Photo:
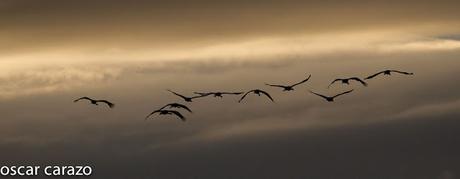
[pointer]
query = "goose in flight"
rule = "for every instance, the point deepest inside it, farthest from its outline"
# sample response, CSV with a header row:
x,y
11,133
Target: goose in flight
x,y
347,81
167,112
290,87
176,105
388,72
331,98
95,102
219,94
187,99
257,92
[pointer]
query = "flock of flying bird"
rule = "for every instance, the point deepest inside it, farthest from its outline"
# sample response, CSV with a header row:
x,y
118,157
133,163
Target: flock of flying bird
x,y
166,110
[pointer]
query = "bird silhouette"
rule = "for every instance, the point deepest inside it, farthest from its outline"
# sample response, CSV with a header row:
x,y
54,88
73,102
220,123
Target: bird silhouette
x,y
347,81
95,102
167,112
219,94
290,87
257,92
176,105
331,98
388,72
187,99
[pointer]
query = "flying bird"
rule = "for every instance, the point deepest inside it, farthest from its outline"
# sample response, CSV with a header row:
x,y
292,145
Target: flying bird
x,y
167,112
95,102
347,81
187,99
388,72
331,98
290,87
257,92
176,105
219,94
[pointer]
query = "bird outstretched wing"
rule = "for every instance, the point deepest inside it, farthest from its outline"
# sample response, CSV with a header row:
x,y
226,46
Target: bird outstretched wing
x,y
280,86
166,106
374,75
177,94
333,82
303,81
152,113
177,105
402,72
111,105
266,94
203,94
178,114
87,98
245,94
359,80
342,93
320,95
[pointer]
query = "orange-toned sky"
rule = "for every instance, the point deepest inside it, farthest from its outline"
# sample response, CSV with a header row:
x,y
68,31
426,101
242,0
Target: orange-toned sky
x,y
53,51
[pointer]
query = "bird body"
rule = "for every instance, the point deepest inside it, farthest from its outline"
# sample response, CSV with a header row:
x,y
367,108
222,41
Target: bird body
x,y
289,87
347,81
257,92
176,105
331,98
388,72
219,94
167,112
187,99
95,102
285,88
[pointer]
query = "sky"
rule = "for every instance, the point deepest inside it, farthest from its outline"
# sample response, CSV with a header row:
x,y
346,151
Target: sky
x,y
399,127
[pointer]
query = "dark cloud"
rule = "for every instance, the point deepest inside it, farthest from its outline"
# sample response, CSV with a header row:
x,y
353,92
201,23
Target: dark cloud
x,y
450,37
31,25
410,148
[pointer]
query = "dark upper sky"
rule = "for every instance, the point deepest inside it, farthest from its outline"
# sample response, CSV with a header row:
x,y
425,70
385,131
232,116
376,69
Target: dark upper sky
x,y
115,23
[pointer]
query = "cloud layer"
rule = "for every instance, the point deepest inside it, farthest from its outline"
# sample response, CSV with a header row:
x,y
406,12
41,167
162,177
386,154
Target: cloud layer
x,y
131,52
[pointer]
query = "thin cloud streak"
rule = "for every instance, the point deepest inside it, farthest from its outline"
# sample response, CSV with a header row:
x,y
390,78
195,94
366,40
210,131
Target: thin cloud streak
x,y
34,74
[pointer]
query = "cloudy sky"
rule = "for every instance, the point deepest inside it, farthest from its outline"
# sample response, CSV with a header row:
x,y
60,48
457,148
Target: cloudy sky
x,y
399,127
